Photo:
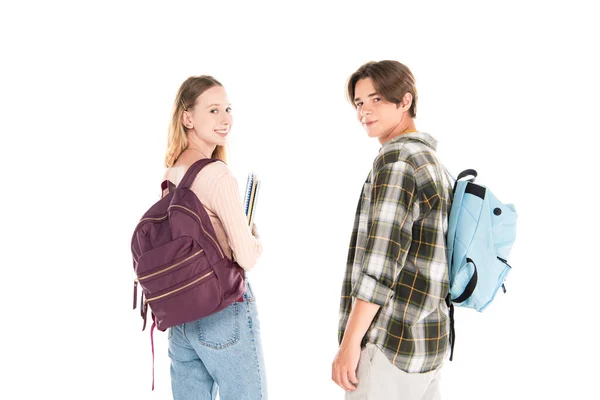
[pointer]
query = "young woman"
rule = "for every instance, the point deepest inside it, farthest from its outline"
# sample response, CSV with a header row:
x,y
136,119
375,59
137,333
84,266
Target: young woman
x,y
221,352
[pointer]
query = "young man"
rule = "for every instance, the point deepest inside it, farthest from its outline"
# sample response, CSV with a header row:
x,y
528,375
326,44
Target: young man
x,y
394,322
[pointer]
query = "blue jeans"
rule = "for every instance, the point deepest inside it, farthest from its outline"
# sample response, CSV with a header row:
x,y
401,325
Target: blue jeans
x,y
221,352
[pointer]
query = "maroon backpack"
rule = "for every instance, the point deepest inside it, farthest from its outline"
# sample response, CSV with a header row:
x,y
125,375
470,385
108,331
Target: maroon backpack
x,y
178,262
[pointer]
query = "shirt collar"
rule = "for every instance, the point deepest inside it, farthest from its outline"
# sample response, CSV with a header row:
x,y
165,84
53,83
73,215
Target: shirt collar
x,y
420,136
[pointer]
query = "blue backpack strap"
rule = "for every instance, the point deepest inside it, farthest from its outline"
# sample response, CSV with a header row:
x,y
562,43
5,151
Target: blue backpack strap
x,y
450,243
470,288
452,333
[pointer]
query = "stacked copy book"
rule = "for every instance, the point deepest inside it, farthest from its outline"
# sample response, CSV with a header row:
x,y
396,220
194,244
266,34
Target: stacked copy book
x,y
250,197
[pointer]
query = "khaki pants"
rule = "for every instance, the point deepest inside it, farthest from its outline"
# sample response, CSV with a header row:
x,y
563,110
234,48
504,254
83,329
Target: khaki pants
x,y
379,379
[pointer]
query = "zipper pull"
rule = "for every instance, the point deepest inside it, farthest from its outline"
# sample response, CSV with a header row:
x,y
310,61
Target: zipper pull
x,y
134,294
503,288
144,313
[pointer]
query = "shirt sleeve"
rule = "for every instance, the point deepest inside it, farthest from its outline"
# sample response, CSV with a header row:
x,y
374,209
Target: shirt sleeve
x,y
229,209
389,227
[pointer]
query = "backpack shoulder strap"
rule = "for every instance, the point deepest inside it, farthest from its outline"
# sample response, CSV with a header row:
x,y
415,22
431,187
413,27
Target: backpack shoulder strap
x,y
193,170
167,187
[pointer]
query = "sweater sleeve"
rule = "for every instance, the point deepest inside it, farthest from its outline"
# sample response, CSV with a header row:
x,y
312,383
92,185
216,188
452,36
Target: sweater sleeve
x,y
229,209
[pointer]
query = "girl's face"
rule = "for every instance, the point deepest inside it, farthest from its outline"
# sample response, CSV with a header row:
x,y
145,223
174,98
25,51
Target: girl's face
x,y
210,118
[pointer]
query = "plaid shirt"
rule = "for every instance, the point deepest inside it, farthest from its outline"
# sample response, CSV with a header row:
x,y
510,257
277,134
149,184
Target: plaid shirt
x,y
397,256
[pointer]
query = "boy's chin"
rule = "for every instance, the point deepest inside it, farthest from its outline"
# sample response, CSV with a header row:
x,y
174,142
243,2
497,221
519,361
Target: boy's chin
x,y
373,134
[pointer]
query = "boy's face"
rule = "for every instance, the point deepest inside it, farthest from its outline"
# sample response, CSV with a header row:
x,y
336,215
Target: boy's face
x,y
378,116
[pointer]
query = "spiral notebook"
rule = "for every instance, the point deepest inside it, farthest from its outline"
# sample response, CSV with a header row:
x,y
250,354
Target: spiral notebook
x,y
251,196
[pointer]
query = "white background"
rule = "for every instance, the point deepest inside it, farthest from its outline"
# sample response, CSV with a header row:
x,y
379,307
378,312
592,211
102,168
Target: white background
x,y
86,93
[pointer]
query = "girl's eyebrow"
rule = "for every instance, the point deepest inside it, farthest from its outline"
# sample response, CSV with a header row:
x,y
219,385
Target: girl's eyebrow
x,y
217,104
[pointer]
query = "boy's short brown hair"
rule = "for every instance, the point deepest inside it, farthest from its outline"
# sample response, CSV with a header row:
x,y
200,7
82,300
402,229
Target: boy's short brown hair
x,y
391,79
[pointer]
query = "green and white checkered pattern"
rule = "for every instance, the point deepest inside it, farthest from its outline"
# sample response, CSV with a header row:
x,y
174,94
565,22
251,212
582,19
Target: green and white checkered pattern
x,y
397,256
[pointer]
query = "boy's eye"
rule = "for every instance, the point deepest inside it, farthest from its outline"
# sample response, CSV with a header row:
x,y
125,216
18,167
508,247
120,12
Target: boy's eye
x,y
228,109
376,99
359,104
214,111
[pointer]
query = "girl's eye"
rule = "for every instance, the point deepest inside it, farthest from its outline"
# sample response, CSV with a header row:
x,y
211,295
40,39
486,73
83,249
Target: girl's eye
x,y
359,104
214,111
376,99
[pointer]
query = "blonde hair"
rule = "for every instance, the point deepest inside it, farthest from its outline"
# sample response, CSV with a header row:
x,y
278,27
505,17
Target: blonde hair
x,y
186,97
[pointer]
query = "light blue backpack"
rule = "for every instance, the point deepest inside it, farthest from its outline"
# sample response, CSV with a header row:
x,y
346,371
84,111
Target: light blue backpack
x,y
481,232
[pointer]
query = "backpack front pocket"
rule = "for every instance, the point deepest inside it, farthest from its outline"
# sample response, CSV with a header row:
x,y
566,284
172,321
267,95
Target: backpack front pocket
x,y
188,261
200,294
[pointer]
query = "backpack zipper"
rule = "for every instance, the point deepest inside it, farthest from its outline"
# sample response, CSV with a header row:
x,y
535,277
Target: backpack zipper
x,y
136,280
141,278
202,226
179,289
152,218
